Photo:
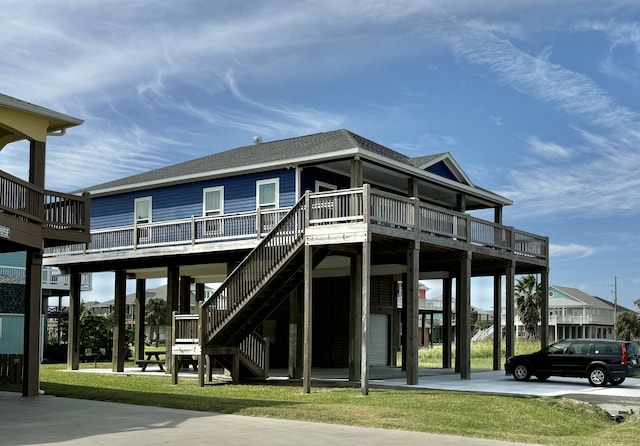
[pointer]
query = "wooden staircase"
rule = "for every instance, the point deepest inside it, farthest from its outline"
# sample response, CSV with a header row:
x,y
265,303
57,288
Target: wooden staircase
x,y
262,281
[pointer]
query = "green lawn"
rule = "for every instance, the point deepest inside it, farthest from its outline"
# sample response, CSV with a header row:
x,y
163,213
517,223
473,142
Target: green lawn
x,y
528,420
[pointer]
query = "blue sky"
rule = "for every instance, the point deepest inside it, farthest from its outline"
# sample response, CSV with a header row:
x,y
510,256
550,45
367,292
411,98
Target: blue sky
x,y
536,100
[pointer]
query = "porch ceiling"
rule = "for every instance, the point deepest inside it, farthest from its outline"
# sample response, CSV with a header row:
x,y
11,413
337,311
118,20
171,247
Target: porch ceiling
x,y
22,120
396,181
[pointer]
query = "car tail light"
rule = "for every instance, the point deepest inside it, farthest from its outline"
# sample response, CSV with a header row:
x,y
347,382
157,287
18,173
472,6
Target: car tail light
x,y
624,353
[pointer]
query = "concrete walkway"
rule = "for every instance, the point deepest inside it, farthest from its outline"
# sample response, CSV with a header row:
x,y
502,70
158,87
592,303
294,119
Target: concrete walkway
x,y
48,420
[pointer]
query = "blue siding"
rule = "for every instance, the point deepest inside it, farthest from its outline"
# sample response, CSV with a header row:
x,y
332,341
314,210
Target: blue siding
x,y
185,200
440,168
312,174
17,259
12,334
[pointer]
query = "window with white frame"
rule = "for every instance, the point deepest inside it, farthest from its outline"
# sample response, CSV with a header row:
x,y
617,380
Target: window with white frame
x,y
321,186
213,206
213,201
323,208
267,194
142,210
267,197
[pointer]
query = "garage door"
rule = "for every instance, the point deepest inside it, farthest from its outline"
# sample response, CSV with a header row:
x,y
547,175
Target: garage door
x,y
378,339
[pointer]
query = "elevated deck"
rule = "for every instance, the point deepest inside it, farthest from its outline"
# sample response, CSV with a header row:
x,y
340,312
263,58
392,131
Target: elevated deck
x,y
335,217
30,215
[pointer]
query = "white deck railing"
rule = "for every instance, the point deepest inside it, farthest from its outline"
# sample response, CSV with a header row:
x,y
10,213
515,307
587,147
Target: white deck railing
x,y
358,205
51,278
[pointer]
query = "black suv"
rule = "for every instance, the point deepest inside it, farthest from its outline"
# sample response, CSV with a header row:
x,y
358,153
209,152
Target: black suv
x,y
601,361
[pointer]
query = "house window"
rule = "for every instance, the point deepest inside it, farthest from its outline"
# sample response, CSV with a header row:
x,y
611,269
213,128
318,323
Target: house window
x,y
213,206
141,217
323,187
267,197
143,210
213,201
267,194
323,208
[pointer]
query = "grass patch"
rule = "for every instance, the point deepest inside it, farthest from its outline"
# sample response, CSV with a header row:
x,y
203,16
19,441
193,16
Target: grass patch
x,y
526,420
547,421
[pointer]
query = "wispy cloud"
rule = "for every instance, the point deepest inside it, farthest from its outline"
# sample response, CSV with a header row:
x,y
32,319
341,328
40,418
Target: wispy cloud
x,y
570,250
601,182
547,150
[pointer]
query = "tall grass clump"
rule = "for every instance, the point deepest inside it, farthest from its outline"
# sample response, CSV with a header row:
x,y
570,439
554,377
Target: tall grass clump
x,y
481,353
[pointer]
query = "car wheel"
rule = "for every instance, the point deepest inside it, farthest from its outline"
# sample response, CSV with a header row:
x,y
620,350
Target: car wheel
x,y
617,381
521,372
542,377
598,377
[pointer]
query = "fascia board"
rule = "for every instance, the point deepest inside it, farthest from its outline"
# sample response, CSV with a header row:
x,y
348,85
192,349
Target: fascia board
x,y
224,172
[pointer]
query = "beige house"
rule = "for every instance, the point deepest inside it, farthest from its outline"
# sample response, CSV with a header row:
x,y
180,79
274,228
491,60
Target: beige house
x,y
575,314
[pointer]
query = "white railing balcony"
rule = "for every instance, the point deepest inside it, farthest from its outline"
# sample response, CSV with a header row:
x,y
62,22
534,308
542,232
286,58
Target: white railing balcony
x,y
585,319
51,277
348,206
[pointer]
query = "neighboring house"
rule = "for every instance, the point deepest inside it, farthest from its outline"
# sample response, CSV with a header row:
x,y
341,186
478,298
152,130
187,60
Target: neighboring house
x,y
33,218
309,238
54,287
107,308
575,314
431,319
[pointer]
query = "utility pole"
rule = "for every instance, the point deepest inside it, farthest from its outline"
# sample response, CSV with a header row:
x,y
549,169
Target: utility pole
x,y
615,302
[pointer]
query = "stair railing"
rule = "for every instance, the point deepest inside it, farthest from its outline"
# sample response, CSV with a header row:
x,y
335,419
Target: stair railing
x,y
240,286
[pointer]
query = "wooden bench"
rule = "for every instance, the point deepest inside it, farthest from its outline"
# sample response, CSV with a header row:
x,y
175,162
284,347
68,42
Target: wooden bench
x,y
145,362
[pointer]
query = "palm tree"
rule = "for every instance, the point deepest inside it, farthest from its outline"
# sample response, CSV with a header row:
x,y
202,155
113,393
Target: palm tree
x,y
627,326
528,302
155,316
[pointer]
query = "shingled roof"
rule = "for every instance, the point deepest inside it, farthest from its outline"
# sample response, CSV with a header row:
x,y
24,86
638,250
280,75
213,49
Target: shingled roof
x,y
267,153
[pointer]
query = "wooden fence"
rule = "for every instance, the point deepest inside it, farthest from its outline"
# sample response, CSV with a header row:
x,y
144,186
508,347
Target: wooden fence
x,y
10,369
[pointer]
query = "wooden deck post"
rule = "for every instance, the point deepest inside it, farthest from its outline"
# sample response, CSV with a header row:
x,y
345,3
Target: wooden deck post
x,y
447,286
463,318
204,360
141,301
308,303
173,292
296,350
403,321
73,333
544,307
355,317
119,338
175,366
413,273
308,306
510,308
32,312
497,322
184,304
366,310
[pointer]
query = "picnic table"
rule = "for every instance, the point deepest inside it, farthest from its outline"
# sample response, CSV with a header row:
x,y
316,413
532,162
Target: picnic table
x,y
152,358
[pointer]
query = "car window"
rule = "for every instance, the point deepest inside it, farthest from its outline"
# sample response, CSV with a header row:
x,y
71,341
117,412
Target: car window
x,y
632,348
559,348
607,348
579,347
